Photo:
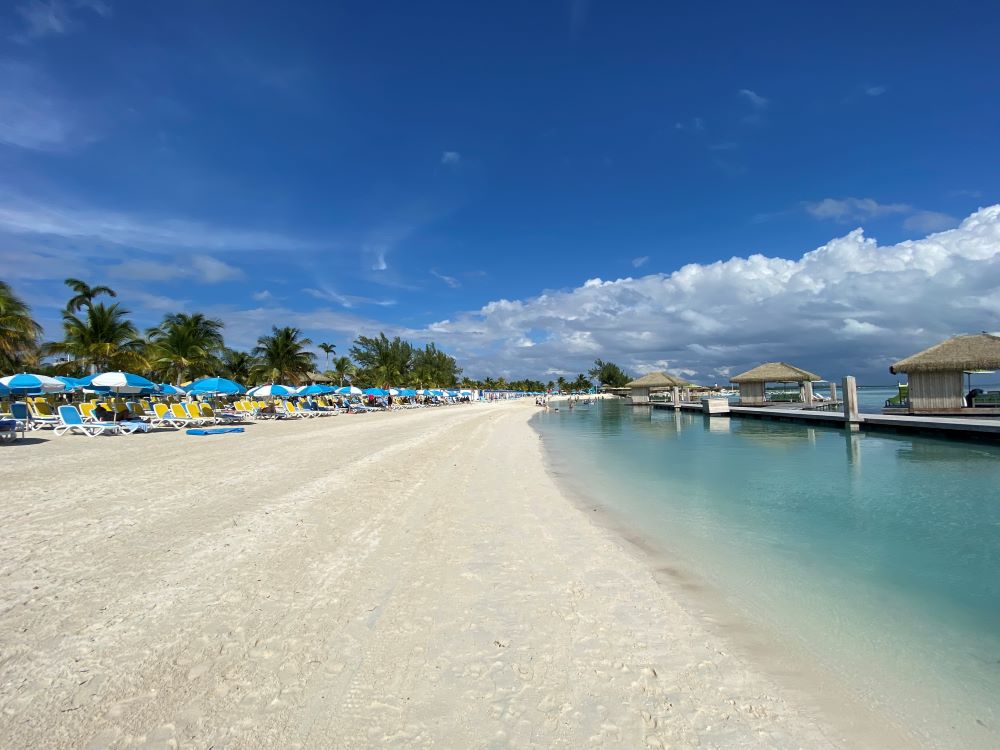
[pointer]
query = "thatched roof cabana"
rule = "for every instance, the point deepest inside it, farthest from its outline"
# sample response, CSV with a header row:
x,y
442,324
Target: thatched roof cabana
x,y
318,377
775,372
980,351
934,376
657,380
752,382
639,388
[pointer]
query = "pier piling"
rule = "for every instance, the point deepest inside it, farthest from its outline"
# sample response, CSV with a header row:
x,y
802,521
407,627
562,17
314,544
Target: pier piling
x,y
850,388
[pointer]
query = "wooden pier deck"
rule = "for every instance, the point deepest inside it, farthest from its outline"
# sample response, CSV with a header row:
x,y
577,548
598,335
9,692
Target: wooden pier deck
x,y
959,428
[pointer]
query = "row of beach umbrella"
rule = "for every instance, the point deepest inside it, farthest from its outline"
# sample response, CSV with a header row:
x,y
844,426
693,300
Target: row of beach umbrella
x,y
126,382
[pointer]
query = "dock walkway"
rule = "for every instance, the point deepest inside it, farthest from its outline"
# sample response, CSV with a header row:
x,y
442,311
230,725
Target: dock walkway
x,y
944,427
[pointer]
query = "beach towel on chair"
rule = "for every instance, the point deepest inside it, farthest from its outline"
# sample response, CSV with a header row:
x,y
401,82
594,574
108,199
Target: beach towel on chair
x,y
214,430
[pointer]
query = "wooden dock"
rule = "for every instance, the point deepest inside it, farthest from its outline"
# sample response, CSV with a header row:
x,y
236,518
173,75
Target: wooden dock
x,y
957,428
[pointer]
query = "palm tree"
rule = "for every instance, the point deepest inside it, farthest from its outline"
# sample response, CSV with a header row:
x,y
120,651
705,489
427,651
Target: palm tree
x,y
19,332
102,340
83,294
185,346
561,382
327,349
432,367
385,361
283,355
237,365
343,368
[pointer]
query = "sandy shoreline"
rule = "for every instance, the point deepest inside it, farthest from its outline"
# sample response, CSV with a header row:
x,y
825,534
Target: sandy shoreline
x,y
415,579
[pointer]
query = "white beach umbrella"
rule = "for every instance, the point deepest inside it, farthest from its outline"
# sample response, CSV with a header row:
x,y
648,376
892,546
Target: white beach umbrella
x,y
271,389
123,382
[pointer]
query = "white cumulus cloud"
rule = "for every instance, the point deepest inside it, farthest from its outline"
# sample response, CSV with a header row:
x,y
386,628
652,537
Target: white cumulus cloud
x,y
851,306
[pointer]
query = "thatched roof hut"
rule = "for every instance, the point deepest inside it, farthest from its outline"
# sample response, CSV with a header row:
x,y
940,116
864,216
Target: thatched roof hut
x,y
935,375
752,382
318,377
640,387
980,351
775,372
656,380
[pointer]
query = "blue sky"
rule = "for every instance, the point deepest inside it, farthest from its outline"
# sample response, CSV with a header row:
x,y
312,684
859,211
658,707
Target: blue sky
x,y
520,182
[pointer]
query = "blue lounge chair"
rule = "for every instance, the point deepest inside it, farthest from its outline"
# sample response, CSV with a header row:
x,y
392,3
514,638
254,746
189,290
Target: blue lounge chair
x,y
8,429
19,411
71,421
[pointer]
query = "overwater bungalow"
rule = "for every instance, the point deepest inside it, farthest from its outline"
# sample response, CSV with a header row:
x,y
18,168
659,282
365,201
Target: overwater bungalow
x,y
936,377
640,389
753,384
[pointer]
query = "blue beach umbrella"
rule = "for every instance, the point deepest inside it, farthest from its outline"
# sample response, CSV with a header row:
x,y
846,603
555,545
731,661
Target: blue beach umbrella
x,y
4,390
375,392
215,386
270,389
407,392
27,384
349,390
72,384
167,389
314,390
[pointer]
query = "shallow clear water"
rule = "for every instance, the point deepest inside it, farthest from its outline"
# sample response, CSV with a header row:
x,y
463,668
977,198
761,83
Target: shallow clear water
x,y
876,556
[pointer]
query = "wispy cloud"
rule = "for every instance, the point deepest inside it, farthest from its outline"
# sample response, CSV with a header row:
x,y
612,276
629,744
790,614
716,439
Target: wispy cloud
x,y
377,254
929,221
449,280
56,17
758,105
756,100
212,270
451,158
43,18
34,114
853,209
696,124
965,193
640,261
262,296
346,300
875,90
199,268
33,218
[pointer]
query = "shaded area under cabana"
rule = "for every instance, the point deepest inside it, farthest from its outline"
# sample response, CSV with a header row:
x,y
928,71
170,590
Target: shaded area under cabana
x,y
937,377
753,384
640,389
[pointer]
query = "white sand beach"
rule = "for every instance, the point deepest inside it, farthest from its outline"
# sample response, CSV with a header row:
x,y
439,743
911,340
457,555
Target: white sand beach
x,y
411,579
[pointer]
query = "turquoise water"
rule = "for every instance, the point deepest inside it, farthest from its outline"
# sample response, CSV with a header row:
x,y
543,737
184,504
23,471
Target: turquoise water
x,y
876,557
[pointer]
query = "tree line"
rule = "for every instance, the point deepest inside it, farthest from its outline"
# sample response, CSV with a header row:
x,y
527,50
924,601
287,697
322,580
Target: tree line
x,y
97,335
